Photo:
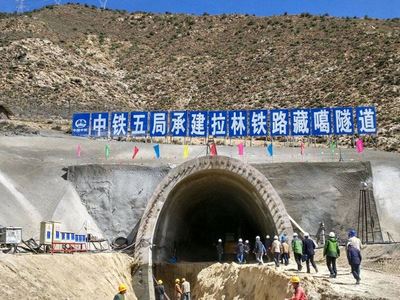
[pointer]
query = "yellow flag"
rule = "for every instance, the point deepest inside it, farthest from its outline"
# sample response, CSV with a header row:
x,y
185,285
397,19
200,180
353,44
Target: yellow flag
x,y
186,151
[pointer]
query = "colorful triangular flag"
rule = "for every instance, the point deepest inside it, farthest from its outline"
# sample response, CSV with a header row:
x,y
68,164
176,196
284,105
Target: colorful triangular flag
x,y
213,149
333,147
186,151
359,145
107,151
78,150
135,152
157,150
302,146
240,149
270,150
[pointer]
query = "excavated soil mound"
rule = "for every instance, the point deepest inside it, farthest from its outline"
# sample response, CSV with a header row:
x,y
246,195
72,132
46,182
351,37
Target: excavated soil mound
x,y
252,282
232,281
77,276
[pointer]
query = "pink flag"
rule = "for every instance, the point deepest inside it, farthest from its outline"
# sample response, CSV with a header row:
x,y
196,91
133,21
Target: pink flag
x,y
359,145
78,150
240,149
302,146
135,151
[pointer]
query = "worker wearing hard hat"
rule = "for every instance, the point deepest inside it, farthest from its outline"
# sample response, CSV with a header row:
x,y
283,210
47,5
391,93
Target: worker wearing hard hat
x,y
159,290
121,292
178,290
276,250
332,252
298,293
240,251
185,289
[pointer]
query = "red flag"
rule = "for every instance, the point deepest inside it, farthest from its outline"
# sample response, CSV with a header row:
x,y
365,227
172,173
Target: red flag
x,y
213,149
302,148
135,151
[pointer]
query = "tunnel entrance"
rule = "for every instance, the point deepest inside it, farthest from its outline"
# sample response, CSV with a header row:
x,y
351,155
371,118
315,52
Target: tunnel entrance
x,y
195,204
204,207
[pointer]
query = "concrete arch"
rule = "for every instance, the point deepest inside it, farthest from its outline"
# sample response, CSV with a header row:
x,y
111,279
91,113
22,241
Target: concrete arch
x,y
259,192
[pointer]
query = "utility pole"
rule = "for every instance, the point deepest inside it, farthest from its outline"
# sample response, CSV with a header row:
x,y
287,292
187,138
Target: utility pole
x,y
20,6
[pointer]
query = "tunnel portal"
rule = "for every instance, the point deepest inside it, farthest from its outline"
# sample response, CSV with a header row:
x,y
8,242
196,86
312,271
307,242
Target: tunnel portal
x,y
198,202
204,207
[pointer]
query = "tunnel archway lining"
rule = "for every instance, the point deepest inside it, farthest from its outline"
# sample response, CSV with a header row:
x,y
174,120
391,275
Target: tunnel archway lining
x,y
263,188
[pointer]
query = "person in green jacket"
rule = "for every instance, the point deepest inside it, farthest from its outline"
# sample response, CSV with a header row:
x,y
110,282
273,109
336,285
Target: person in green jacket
x,y
122,290
332,252
297,247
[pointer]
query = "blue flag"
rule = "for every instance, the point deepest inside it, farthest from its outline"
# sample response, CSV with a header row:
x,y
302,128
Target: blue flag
x,y
157,150
270,150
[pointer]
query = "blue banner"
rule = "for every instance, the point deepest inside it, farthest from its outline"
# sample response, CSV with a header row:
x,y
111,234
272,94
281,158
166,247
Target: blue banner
x,y
343,120
99,124
139,123
178,123
81,124
197,123
279,122
258,120
218,123
366,120
300,124
119,123
321,121
237,123
158,123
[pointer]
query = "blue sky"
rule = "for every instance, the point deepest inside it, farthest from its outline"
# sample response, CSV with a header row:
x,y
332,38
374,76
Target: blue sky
x,y
340,8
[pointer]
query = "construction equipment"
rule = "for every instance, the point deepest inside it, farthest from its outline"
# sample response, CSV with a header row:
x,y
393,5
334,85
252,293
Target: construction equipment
x,y
10,237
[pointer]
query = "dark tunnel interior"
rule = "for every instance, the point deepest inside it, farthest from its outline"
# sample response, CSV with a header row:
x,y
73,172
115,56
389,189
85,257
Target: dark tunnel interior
x,y
207,206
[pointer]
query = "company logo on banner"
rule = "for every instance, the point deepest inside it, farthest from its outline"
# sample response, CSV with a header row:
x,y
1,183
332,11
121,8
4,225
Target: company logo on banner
x,y
236,123
81,124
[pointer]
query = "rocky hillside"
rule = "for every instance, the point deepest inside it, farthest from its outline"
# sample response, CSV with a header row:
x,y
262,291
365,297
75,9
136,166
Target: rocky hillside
x,y
72,58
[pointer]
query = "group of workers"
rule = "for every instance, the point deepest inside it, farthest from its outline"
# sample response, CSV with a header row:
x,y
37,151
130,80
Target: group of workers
x,y
278,250
181,290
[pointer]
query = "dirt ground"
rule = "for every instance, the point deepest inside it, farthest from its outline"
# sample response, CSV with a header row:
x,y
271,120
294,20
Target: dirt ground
x,y
64,276
380,275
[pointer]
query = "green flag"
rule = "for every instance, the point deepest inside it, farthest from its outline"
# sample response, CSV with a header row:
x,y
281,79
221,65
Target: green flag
x,y
333,146
107,151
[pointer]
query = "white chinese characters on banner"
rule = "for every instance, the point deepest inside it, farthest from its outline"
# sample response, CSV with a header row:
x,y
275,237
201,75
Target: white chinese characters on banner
x,y
99,124
366,120
138,123
119,124
300,122
258,123
158,121
178,123
198,123
237,123
321,121
343,120
218,123
280,122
